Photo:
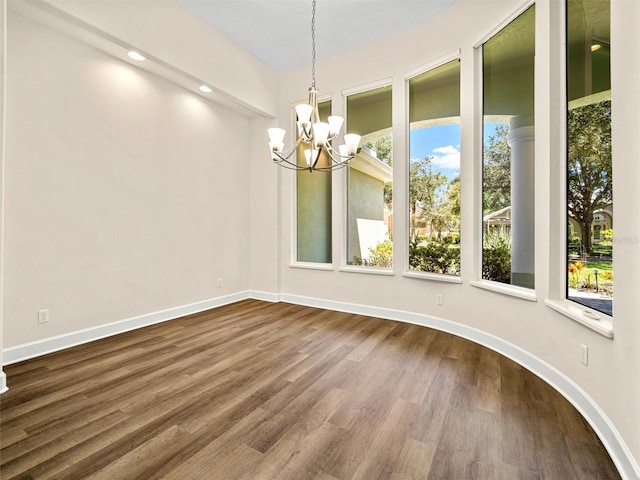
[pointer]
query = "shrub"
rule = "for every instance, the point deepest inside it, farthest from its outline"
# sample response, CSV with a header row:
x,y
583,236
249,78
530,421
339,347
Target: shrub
x,y
496,257
379,256
435,257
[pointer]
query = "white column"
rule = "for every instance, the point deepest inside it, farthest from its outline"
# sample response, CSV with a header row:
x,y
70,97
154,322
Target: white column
x,y
521,141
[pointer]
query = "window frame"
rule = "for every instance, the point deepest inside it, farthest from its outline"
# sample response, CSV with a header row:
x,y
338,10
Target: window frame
x,y
344,265
415,72
293,260
528,294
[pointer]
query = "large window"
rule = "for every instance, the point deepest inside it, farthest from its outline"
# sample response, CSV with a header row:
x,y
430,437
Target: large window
x,y
369,193
434,170
508,153
313,201
589,162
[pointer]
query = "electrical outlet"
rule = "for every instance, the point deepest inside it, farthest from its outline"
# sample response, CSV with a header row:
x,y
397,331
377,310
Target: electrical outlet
x,y
438,299
43,316
584,354
219,282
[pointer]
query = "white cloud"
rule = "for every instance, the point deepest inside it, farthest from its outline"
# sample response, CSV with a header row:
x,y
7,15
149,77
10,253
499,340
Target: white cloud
x,y
446,157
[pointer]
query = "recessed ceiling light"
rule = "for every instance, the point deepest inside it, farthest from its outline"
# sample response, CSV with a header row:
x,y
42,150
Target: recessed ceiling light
x,y
595,46
136,56
205,89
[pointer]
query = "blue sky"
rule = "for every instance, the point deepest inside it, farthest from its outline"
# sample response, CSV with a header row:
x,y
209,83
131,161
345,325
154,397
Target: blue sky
x,y
443,144
440,142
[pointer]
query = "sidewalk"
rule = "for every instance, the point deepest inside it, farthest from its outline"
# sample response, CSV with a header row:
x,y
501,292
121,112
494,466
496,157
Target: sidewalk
x,y
592,300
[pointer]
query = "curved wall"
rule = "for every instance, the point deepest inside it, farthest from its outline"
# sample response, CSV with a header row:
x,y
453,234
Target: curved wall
x,y
607,389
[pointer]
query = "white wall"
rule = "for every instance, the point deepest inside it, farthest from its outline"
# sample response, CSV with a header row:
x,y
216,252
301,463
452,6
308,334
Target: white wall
x,y
125,193
612,378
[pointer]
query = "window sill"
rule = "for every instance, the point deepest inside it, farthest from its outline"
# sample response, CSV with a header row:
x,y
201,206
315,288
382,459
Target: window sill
x,y
511,290
596,321
311,266
368,270
436,277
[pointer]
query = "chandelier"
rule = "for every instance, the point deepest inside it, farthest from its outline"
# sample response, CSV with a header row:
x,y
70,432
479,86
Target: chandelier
x,y
319,136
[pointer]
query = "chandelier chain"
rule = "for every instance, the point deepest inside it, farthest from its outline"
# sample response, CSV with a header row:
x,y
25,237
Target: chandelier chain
x,y
313,44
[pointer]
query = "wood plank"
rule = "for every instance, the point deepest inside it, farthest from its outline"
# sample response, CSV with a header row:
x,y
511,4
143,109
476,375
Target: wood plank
x,y
285,392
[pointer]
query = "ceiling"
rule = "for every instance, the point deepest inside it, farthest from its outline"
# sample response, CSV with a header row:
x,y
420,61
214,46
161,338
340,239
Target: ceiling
x,y
278,32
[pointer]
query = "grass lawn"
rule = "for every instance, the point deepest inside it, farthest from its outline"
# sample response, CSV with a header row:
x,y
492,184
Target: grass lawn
x,y
600,265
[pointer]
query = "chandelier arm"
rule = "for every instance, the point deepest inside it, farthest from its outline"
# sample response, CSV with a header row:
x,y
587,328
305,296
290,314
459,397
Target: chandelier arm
x,y
332,151
296,168
311,167
338,162
283,162
331,168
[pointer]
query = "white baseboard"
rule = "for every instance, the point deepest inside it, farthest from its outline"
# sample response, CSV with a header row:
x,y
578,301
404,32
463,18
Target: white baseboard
x,y
3,382
620,454
265,296
60,342
602,425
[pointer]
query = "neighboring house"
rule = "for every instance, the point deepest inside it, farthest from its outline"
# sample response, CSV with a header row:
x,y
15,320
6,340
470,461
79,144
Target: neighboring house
x,y
367,176
602,220
500,220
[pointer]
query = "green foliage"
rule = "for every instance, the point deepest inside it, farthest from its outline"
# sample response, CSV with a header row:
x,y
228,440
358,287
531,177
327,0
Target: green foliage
x,y
379,256
496,257
583,277
496,171
435,257
383,147
607,237
589,171
426,189
453,196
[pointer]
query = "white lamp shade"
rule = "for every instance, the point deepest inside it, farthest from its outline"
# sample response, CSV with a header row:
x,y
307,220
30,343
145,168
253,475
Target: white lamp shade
x,y
343,151
310,156
320,133
335,124
352,142
276,135
304,112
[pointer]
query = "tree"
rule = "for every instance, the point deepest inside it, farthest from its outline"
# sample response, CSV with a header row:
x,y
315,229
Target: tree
x,y
425,191
496,172
383,147
453,196
589,164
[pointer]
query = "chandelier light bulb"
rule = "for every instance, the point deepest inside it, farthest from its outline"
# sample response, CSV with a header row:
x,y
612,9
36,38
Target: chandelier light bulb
x,y
310,156
276,135
303,111
320,133
352,141
335,124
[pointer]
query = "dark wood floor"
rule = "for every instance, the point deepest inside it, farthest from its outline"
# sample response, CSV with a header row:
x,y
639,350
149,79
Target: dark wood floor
x,y
277,391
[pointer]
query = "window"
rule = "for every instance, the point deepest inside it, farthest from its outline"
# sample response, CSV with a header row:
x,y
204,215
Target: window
x,y
589,160
313,201
434,170
370,187
508,153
